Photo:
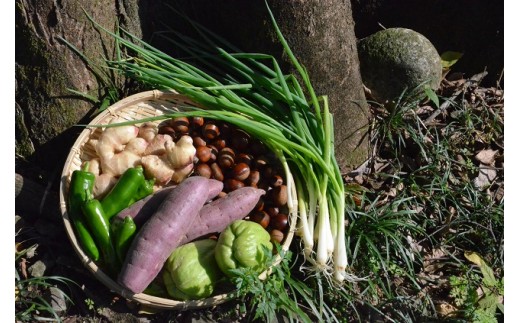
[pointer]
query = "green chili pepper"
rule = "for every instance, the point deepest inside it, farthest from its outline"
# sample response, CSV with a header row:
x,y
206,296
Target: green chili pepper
x,y
100,228
85,238
143,191
123,232
80,191
123,192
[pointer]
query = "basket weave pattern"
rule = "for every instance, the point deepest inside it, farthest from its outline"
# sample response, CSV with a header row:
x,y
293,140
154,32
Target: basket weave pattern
x,y
135,107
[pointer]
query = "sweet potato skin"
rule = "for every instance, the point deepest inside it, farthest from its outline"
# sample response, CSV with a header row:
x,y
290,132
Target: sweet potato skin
x,y
217,215
143,209
162,233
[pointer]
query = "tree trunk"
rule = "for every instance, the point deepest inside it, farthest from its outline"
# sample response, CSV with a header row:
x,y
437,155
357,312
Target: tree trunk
x,y
321,35
46,68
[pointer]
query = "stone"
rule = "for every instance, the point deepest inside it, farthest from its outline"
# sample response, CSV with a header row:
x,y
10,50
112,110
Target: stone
x,y
58,300
37,269
398,59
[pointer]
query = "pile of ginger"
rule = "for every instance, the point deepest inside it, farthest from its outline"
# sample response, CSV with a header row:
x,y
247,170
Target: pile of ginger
x,y
121,147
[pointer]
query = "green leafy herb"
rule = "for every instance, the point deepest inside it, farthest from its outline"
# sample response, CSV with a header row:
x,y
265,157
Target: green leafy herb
x,y
278,293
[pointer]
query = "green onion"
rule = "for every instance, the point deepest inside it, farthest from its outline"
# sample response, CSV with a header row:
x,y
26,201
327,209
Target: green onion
x,y
250,91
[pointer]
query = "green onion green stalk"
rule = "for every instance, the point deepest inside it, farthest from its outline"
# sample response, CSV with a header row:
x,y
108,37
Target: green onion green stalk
x,y
250,91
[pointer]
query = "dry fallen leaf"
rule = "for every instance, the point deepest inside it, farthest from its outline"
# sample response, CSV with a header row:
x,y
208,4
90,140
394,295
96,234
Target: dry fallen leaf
x,y
486,175
433,261
445,309
424,109
23,268
486,156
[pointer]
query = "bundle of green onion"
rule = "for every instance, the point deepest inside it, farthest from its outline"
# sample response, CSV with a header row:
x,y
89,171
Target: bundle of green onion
x,y
250,91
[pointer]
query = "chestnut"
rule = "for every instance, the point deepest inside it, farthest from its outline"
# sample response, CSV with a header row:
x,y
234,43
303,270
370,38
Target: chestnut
x,y
166,130
232,184
241,171
219,144
225,130
258,148
221,194
214,153
226,158
279,222
261,161
263,185
260,204
210,131
254,178
276,180
180,124
203,170
272,211
240,140
276,236
216,172
197,122
203,153
268,171
244,158
279,195
198,141
261,218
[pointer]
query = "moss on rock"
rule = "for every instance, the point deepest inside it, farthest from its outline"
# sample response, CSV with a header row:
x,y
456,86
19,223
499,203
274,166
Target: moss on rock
x,y
396,59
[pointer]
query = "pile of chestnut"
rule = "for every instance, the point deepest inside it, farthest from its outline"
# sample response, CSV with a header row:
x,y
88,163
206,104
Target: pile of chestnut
x,y
229,154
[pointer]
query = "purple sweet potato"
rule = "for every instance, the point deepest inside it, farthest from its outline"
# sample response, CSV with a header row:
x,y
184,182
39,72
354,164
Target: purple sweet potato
x,y
217,215
143,209
162,233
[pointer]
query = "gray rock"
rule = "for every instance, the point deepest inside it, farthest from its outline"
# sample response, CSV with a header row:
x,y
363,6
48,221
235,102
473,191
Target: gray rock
x,y
396,59
58,300
38,269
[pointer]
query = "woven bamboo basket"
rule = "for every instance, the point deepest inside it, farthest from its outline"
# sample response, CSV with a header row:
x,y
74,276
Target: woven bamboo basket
x,y
136,107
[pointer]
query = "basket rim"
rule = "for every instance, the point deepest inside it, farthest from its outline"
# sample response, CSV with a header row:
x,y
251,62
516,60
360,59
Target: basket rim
x,y
142,298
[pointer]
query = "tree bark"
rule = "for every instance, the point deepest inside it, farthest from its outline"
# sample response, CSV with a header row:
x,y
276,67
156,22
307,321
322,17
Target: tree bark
x,y
46,68
321,35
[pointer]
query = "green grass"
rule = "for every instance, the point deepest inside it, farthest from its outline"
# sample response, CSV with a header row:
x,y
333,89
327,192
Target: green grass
x,y
430,199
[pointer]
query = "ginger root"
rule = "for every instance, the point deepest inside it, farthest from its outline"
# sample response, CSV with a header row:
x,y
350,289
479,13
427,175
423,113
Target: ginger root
x,y
103,185
148,131
181,153
158,145
158,168
123,147
120,162
104,181
110,148
114,139
137,146
174,164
